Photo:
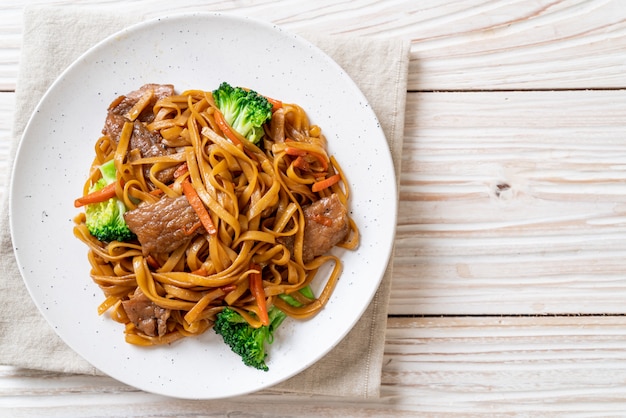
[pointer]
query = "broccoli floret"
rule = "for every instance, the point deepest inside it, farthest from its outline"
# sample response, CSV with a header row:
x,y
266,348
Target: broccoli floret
x,y
246,341
108,171
245,110
105,220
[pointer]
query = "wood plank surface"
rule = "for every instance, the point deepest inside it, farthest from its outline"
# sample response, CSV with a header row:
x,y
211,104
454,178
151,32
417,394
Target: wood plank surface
x,y
541,366
507,293
462,45
512,203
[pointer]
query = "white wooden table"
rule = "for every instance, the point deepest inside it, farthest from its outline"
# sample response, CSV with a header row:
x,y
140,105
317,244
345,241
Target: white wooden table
x,y
509,286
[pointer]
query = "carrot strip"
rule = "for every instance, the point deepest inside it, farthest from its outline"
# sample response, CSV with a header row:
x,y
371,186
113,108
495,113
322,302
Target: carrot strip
x,y
225,127
327,182
198,206
297,152
256,288
180,170
301,163
200,272
98,196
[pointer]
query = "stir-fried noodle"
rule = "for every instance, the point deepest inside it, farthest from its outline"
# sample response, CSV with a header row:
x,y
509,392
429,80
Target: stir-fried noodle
x,y
258,202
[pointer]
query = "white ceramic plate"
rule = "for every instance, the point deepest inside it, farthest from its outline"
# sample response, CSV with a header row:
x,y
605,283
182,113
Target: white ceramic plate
x,y
192,51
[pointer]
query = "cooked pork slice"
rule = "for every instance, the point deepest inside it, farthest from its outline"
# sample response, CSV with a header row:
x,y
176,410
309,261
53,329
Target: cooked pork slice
x,y
116,115
113,125
123,104
146,315
163,226
149,144
325,225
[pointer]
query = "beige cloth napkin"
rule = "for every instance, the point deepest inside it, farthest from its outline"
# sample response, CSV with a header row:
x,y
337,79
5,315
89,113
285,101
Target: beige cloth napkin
x,y
53,38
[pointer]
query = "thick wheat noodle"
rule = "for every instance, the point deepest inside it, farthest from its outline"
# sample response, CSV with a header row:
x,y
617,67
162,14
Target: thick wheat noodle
x,y
254,199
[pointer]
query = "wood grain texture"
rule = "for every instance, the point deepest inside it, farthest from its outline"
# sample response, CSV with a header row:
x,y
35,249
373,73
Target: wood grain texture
x,y
512,203
544,366
466,45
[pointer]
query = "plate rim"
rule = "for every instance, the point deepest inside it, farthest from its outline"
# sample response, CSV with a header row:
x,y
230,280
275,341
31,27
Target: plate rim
x,y
138,27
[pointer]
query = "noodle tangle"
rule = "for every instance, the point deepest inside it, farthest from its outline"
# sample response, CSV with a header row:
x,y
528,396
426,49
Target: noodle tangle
x,y
256,198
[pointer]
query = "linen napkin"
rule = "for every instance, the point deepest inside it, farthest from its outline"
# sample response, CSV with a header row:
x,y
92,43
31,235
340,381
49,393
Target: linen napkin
x,y
53,38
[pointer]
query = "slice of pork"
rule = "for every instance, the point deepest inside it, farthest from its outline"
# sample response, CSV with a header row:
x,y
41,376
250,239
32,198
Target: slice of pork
x,y
147,316
325,225
119,108
123,104
163,226
150,144
113,125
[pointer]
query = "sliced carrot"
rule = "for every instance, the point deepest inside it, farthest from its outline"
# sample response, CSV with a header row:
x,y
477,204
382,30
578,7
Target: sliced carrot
x,y
98,196
200,272
256,288
301,163
226,128
327,182
198,206
180,170
297,152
